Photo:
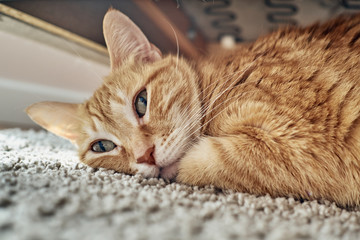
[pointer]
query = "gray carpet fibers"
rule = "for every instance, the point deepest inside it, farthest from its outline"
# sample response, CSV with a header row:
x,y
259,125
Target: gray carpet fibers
x,y
46,193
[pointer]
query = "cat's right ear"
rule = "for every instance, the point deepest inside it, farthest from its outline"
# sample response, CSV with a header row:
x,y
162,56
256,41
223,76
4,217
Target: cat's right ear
x,y
61,119
124,39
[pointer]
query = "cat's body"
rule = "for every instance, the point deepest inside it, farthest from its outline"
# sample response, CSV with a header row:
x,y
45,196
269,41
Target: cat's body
x,y
284,115
278,117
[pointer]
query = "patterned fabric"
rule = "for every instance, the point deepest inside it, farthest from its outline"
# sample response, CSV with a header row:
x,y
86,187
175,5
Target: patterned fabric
x,y
248,19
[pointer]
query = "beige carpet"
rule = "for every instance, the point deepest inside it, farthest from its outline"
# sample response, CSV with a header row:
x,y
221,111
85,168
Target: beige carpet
x,y
45,193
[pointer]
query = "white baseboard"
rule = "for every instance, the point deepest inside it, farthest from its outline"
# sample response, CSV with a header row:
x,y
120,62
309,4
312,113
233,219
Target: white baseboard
x,y
15,96
31,71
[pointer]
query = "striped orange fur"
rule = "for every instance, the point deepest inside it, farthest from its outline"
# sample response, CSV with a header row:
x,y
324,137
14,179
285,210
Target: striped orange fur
x,y
280,116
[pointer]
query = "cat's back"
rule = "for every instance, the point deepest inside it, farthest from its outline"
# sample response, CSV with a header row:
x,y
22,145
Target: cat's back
x,y
305,81
295,91
310,74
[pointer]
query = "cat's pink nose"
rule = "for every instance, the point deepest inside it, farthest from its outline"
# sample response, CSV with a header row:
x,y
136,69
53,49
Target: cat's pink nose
x,y
147,157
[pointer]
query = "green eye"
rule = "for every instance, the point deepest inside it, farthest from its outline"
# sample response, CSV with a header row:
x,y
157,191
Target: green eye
x,y
141,103
103,146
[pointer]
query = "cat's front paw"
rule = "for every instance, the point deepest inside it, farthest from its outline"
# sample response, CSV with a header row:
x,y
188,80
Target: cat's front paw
x,y
200,165
170,172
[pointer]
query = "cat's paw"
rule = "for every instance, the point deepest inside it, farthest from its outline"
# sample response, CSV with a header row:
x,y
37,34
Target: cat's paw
x,y
199,166
170,172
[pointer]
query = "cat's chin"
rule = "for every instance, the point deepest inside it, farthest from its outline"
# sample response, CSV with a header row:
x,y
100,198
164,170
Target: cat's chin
x,y
149,171
169,172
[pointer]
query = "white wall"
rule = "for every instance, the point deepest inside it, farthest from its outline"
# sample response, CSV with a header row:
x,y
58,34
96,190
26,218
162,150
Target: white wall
x,y
31,71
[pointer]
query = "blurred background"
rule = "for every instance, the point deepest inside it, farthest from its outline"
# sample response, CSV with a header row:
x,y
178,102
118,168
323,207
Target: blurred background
x,y
54,50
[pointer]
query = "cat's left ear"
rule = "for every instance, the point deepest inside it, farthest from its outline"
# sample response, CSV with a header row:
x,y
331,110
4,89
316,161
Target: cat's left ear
x,y
124,39
61,119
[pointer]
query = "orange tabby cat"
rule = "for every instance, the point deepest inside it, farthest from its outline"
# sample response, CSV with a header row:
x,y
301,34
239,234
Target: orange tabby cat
x,y
278,117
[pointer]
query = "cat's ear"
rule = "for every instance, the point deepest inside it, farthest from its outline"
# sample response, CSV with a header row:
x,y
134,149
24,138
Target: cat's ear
x,y
59,118
123,39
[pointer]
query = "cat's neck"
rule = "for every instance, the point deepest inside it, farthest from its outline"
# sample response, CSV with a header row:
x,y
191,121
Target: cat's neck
x,y
218,74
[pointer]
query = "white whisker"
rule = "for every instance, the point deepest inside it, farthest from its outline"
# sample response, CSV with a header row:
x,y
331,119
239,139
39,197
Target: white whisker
x,y
184,140
208,106
177,46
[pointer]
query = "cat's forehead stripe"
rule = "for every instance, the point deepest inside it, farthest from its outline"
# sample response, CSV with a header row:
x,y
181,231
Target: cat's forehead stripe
x,y
91,113
99,101
101,132
97,112
97,124
119,97
123,113
155,74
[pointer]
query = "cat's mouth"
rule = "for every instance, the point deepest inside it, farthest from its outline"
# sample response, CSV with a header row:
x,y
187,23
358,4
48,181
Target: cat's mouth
x,y
167,172
169,168
162,166
170,172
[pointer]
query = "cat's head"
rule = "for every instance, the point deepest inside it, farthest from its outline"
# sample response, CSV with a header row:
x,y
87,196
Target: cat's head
x,y
144,116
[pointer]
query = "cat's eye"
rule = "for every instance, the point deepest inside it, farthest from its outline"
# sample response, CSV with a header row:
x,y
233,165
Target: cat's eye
x,y
141,103
102,146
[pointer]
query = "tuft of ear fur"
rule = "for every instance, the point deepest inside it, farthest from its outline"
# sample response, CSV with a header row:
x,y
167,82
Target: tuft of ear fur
x,y
59,118
124,39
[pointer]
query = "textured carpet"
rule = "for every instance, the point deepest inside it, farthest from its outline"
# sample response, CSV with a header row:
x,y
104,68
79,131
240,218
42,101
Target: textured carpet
x,y
45,193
